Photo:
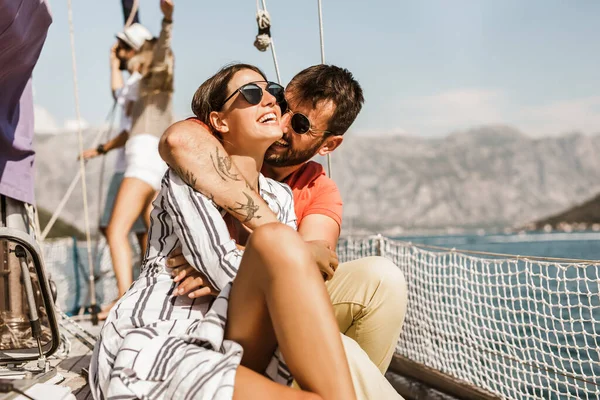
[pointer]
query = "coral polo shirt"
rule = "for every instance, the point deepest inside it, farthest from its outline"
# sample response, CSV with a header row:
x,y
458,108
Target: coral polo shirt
x,y
314,193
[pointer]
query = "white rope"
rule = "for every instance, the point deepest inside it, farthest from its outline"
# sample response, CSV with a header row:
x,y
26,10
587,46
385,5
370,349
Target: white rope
x,y
81,161
322,40
264,38
134,9
61,205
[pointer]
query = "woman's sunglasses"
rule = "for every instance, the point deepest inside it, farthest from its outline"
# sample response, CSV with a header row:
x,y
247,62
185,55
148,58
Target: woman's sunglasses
x,y
300,122
254,93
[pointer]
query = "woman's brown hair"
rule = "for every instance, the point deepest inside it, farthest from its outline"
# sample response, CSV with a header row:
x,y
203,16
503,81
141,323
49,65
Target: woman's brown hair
x,y
212,93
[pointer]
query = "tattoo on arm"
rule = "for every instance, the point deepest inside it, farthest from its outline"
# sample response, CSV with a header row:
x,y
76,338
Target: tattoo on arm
x,y
248,210
223,166
187,176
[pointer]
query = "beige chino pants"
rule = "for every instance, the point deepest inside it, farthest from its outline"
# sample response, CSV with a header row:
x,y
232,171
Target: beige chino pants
x,y
369,298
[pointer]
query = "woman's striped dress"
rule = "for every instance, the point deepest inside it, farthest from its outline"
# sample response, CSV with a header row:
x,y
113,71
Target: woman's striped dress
x,y
155,345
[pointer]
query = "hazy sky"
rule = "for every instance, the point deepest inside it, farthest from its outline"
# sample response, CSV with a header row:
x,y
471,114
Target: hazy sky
x,y
427,67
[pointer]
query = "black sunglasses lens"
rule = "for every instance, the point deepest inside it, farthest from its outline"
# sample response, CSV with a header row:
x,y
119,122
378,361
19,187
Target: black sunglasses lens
x,y
300,123
252,94
276,90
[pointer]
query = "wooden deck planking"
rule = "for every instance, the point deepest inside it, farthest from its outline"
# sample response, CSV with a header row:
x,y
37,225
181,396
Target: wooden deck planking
x,y
69,367
79,358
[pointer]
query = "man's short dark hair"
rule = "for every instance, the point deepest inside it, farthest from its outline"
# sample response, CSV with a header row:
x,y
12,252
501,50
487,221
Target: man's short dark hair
x,y
330,83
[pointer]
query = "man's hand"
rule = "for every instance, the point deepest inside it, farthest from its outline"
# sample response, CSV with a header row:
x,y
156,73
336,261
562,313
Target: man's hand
x,y
326,259
166,6
191,282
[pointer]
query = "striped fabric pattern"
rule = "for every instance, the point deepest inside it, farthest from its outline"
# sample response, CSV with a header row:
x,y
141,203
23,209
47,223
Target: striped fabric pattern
x,y
157,346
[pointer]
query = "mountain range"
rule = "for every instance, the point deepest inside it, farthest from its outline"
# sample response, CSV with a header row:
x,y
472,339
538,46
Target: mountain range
x,y
485,177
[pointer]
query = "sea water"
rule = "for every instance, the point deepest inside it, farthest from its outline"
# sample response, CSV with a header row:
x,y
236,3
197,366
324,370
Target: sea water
x,y
577,245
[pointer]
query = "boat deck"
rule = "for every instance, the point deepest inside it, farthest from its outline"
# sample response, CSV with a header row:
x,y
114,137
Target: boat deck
x,y
71,369
78,358
66,370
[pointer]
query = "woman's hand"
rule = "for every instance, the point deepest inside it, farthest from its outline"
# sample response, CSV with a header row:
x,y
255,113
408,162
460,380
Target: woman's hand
x,y
89,153
326,259
166,6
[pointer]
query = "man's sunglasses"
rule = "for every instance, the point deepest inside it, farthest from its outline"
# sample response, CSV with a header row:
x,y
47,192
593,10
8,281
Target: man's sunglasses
x,y
300,122
254,93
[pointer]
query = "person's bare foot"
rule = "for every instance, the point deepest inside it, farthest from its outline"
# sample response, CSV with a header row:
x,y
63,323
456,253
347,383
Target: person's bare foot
x,y
103,314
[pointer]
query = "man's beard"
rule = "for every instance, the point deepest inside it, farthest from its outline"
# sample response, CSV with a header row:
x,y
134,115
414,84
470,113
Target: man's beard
x,y
292,157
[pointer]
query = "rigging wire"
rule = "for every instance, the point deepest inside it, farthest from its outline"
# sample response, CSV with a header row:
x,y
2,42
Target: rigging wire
x,y
322,42
93,306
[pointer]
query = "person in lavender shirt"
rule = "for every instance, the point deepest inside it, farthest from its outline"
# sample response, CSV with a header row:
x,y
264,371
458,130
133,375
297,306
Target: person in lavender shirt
x,y
23,28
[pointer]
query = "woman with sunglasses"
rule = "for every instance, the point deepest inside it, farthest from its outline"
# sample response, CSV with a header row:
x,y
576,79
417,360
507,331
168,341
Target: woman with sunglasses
x,y
156,345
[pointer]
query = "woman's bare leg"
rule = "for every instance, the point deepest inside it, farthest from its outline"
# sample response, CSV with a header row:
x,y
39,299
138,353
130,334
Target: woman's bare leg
x,y
279,297
250,385
132,201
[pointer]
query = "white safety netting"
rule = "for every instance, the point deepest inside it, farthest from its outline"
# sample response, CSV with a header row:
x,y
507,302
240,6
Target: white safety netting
x,y
67,262
516,327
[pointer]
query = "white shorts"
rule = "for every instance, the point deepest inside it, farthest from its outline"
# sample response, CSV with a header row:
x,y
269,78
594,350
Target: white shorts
x,y
143,160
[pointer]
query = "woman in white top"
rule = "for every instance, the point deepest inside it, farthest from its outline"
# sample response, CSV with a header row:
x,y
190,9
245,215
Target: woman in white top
x,y
125,97
126,94
151,114
155,345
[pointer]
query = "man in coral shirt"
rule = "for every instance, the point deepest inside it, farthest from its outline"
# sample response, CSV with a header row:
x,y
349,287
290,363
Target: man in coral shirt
x,y
369,295
314,193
